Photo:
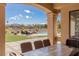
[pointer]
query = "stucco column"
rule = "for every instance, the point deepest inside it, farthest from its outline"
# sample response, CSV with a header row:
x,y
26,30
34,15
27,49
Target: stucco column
x,y
2,29
50,27
65,25
55,27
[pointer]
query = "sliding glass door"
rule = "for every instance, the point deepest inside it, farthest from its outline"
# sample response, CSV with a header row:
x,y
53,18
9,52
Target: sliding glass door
x,y
74,23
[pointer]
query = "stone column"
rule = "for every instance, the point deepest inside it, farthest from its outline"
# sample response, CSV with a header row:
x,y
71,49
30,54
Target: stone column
x,y
55,28
2,29
50,27
64,25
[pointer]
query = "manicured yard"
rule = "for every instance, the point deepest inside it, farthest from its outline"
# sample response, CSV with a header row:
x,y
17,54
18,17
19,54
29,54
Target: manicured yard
x,y
12,38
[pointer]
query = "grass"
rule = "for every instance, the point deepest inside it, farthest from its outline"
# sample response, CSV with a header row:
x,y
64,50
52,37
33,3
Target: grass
x,y
12,38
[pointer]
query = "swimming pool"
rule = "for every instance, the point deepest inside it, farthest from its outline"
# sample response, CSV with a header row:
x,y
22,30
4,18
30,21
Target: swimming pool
x,y
42,33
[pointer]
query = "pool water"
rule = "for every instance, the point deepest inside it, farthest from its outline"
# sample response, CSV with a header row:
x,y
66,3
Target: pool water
x,y
42,33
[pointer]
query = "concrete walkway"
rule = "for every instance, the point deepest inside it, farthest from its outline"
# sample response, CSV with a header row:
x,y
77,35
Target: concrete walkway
x,y
15,46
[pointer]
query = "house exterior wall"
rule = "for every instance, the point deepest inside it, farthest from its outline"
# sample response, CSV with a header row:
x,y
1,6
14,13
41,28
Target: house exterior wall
x,y
65,8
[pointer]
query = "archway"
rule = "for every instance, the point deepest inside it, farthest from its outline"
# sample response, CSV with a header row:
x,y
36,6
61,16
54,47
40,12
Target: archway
x,y
50,21
46,7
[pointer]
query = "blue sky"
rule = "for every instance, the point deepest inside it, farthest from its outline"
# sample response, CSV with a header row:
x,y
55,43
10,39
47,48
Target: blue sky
x,y
24,14
59,17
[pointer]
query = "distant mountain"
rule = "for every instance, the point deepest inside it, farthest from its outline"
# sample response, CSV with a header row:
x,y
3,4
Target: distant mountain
x,y
15,24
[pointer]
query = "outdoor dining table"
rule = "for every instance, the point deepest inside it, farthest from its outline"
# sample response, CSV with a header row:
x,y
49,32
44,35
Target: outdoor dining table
x,y
55,50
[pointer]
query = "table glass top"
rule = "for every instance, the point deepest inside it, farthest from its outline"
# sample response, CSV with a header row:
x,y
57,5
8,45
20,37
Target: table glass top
x,y
55,50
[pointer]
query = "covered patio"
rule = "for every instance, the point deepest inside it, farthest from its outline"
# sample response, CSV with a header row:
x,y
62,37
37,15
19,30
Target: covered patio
x,y
52,11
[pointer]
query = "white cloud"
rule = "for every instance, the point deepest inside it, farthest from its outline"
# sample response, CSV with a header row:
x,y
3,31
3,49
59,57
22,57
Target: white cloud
x,y
27,17
27,11
20,15
17,17
12,18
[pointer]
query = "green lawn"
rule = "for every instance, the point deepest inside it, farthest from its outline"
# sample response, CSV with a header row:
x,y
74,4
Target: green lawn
x,y
12,38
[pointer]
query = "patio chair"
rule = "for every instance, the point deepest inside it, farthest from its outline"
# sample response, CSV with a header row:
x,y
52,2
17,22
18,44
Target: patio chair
x,y
25,47
38,44
74,52
72,42
46,42
12,54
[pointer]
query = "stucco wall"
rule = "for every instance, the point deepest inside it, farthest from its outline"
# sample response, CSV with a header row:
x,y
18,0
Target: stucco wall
x,y
65,8
2,29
